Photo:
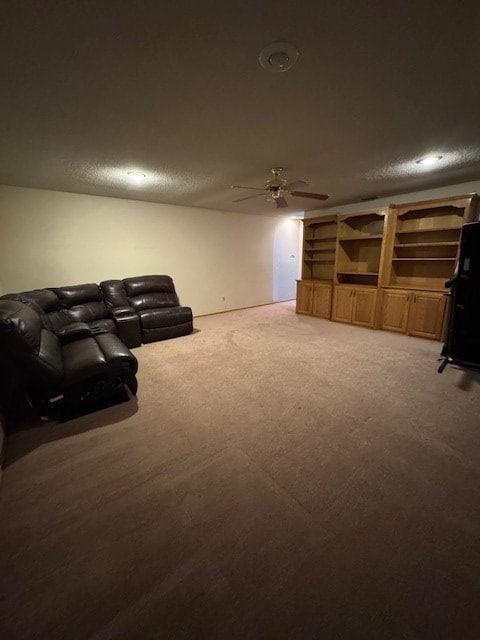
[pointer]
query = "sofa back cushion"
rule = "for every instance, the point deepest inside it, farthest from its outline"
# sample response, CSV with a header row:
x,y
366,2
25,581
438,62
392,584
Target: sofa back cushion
x,y
83,302
53,317
151,292
114,294
46,299
46,304
34,351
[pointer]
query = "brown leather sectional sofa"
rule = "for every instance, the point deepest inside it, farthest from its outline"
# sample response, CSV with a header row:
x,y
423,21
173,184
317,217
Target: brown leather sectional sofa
x,y
73,342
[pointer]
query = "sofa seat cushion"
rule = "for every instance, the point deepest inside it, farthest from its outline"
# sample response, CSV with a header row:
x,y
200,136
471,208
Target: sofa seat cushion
x,y
169,317
165,333
99,356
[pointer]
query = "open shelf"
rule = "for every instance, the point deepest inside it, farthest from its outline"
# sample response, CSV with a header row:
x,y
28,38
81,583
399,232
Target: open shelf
x,y
421,273
365,278
357,273
363,225
320,236
423,259
429,230
425,239
359,248
321,270
324,239
359,257
377,236
425,244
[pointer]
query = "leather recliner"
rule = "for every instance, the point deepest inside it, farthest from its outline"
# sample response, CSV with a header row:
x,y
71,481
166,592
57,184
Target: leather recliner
x,y
85,303
78,311
86,368
154,299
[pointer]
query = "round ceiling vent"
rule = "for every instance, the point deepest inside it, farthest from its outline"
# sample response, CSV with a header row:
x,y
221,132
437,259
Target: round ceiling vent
x,y
278,57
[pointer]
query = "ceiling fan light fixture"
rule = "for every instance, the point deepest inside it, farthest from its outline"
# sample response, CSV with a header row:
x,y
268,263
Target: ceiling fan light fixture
x,y
276,189
278,57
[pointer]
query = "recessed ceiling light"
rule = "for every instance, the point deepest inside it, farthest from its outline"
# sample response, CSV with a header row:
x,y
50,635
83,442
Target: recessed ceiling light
x,y
137,177
428,160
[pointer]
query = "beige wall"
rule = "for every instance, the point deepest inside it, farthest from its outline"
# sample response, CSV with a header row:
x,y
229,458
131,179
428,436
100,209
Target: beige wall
x,y
49,238
414,196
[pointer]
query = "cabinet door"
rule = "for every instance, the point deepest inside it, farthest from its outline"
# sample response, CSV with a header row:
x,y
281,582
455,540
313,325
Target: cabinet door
x,y
426,315
304,297
364,301
395,305
322,300
342,304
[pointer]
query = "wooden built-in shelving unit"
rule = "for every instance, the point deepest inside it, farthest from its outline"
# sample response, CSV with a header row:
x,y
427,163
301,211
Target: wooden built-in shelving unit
x,y
314,291
384,268
422,250
319,248
358,262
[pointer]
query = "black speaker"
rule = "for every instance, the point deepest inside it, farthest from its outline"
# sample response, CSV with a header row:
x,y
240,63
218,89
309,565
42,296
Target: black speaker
x,y
463,338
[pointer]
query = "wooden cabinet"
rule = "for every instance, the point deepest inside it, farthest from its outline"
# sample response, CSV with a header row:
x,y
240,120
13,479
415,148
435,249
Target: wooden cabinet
x,y
342,304
314,298
417,313
395,307
304,296
355,305
364,305
426,315
322,299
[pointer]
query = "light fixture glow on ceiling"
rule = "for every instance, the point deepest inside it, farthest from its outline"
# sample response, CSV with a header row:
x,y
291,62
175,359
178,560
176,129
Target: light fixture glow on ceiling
x,y
429,160
137,177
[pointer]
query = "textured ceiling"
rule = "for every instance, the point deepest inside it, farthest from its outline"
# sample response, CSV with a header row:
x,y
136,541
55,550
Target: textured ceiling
x,y
91,90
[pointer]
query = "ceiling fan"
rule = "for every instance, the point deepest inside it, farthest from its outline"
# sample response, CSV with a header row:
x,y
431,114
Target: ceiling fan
x,y
277,188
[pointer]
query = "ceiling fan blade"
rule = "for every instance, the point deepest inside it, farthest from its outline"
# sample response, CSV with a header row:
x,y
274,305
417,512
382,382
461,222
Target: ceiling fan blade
x,y
294,185
240,186
257,195
281,203
304,194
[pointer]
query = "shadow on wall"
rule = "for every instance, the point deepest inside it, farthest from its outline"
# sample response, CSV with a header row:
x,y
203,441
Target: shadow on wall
x,y
286,250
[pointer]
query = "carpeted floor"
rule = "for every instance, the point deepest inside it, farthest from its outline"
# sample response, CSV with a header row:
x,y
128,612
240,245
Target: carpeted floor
x,y
281,477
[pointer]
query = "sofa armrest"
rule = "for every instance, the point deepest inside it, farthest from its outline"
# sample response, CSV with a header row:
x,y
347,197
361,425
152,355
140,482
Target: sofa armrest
x,y
121,312
128,326
73,331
